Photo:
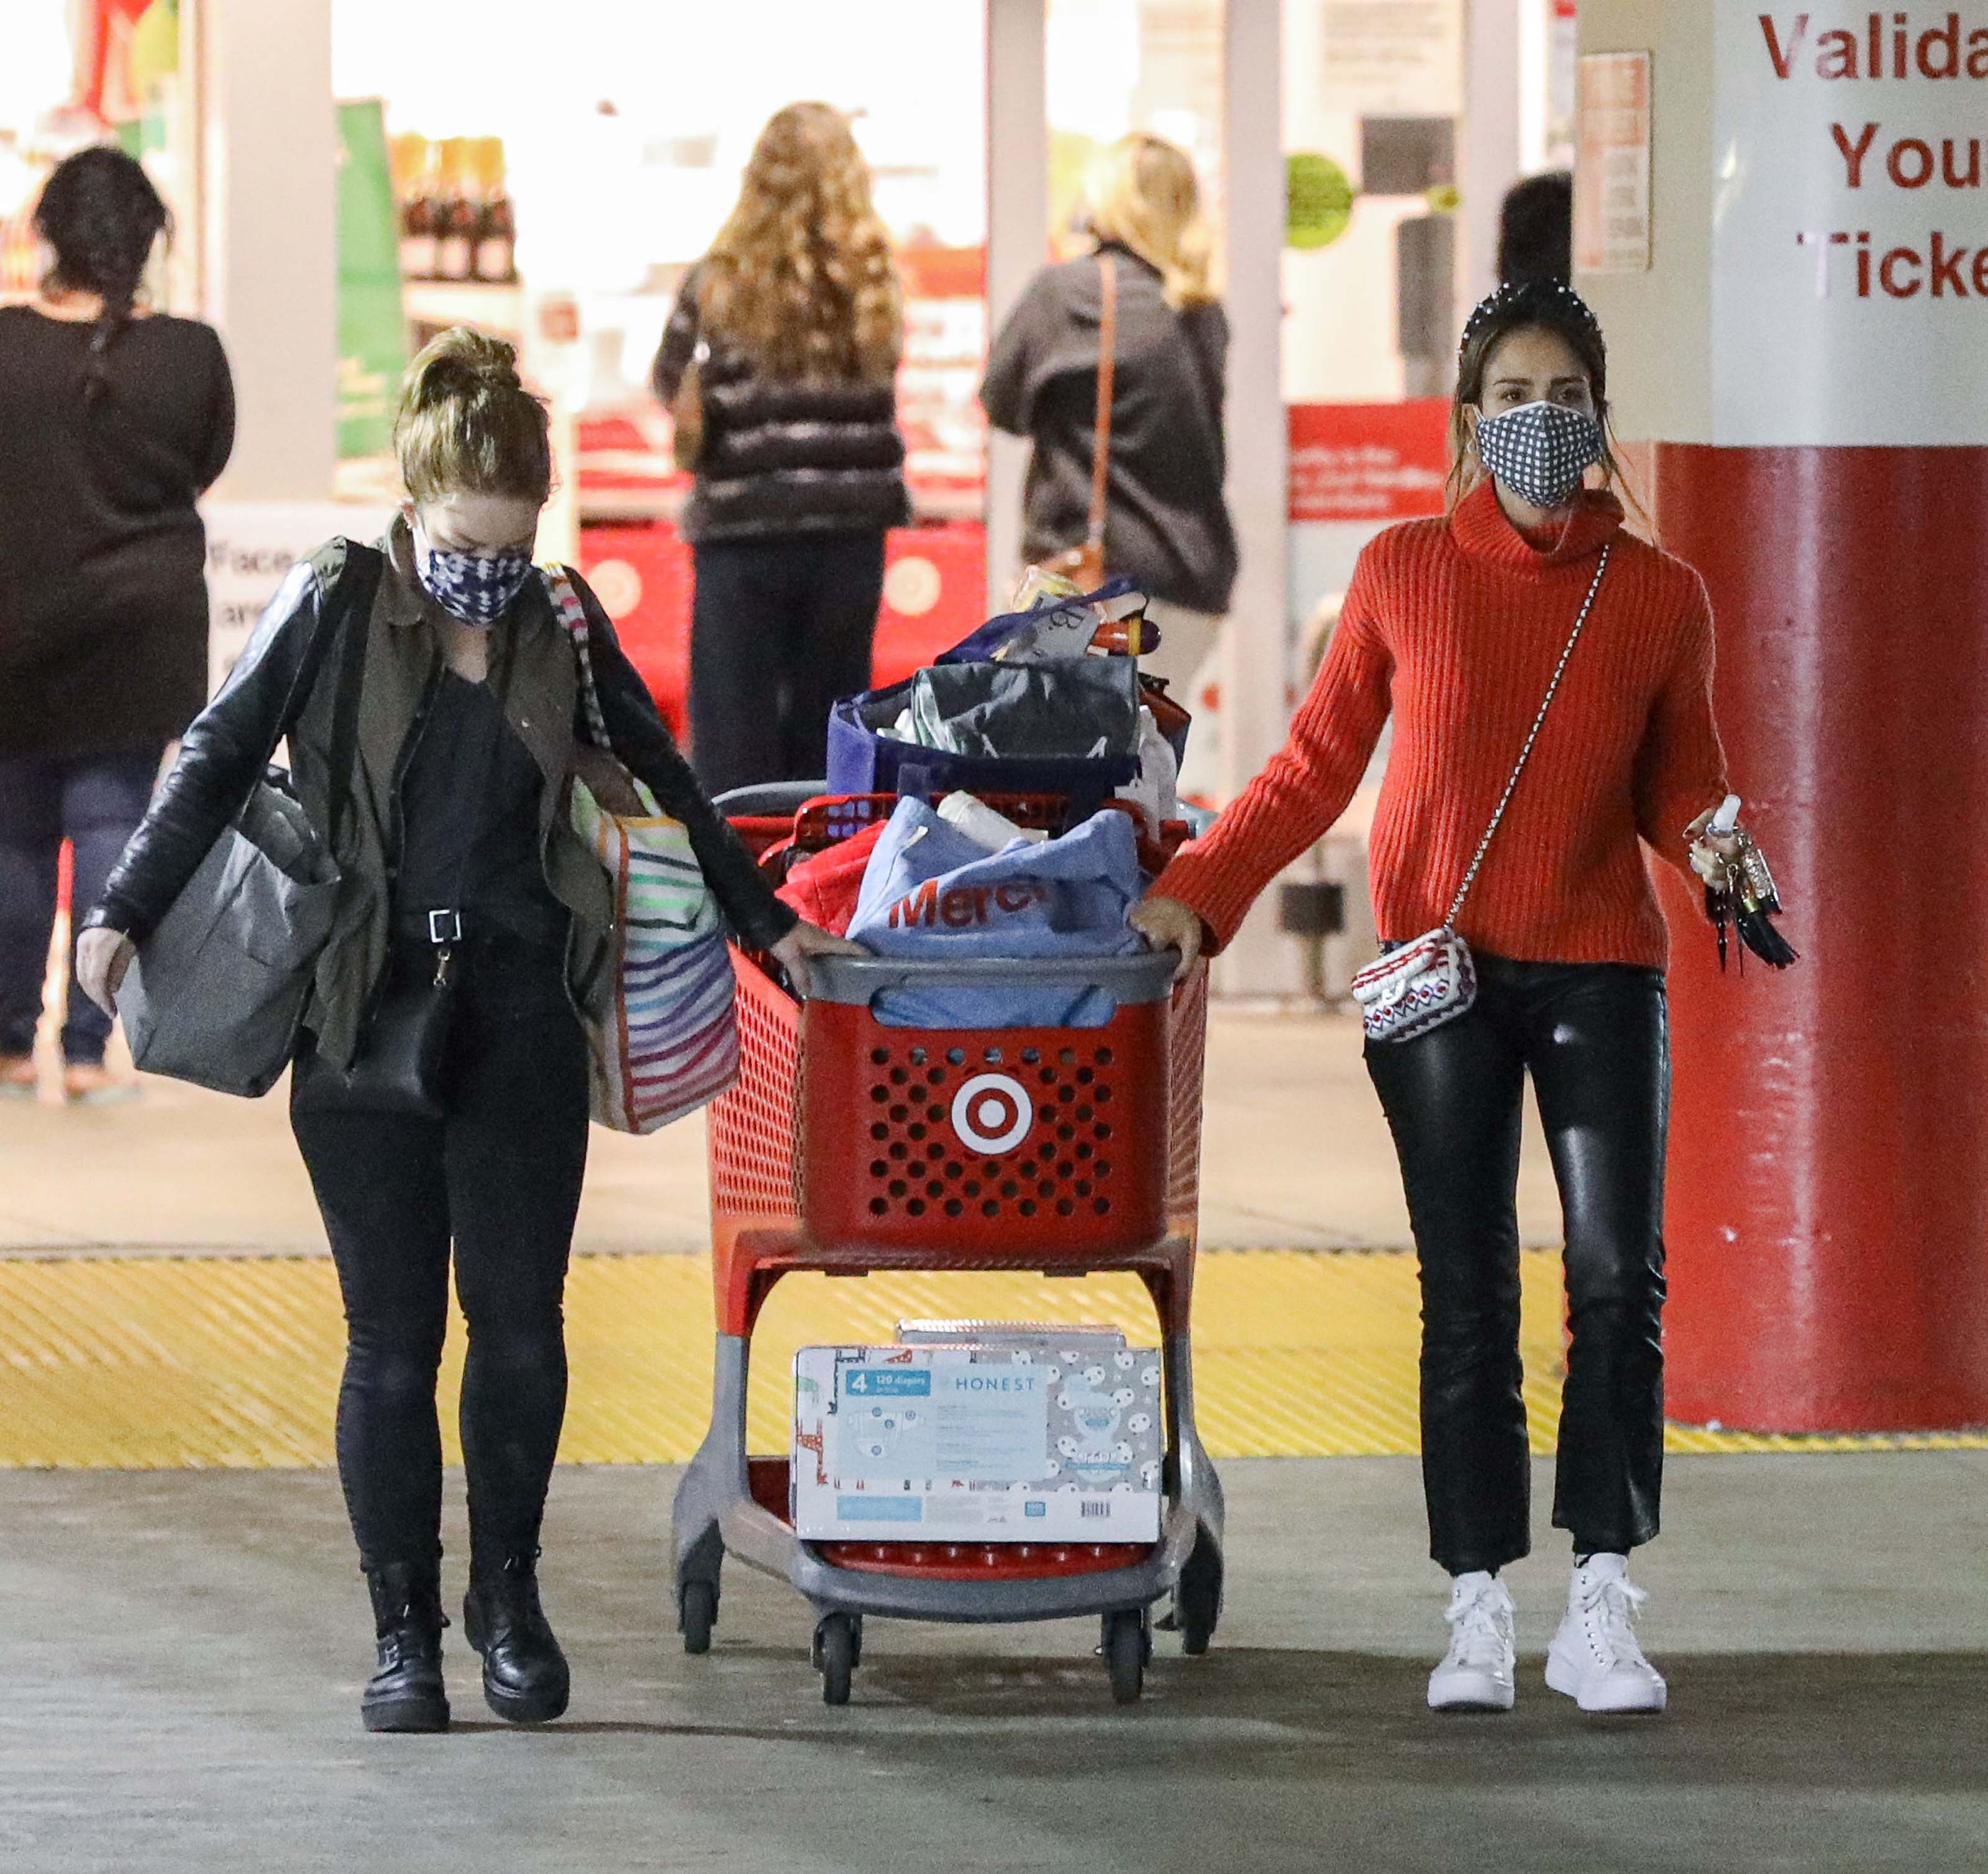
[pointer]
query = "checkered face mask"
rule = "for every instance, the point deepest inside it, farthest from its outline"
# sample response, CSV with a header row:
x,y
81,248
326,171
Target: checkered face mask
x,y
1538,450
477,588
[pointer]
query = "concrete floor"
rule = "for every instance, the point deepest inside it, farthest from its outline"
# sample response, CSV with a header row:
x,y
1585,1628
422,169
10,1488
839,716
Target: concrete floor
x,y
1296,1156
185,1650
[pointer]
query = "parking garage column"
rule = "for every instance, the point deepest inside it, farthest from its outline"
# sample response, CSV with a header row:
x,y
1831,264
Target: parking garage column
x,y
1781,219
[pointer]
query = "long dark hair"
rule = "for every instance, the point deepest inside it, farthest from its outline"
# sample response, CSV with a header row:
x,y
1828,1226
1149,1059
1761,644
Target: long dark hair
x,y
100,213
1519,306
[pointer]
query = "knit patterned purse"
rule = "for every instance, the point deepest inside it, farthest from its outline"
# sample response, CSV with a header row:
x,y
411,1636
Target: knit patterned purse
x,y
1420,984
670,1042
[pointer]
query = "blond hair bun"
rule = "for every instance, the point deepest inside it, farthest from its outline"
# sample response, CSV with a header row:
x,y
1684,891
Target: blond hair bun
x,y
467,423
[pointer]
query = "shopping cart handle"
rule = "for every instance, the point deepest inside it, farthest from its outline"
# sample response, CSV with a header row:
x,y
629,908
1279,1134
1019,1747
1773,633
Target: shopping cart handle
x,y
1145,976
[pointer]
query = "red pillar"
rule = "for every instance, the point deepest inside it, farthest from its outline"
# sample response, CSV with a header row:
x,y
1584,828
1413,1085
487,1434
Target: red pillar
x,y
1828,1203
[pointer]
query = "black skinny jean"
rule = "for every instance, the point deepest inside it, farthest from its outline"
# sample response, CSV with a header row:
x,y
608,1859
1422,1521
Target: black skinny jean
x,y
1594,1038
499,1176
780,627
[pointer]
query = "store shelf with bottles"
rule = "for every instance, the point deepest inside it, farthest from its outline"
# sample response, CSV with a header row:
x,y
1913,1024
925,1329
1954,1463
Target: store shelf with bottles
x,y
458,235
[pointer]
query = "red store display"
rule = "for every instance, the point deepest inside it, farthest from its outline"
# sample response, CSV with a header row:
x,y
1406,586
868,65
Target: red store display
x,y
935,581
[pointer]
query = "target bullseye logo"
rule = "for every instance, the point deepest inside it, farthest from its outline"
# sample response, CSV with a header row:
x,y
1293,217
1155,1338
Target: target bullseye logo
x,y
992,1113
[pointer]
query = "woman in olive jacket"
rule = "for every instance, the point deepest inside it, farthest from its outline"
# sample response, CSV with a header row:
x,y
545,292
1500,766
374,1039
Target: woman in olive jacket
x,y
456,856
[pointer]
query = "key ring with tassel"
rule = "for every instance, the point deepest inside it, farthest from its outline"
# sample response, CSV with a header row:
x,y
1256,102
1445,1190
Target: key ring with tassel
x,y
1744,897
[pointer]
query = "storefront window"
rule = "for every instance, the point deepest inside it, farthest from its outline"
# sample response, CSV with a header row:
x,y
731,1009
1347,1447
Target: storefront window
x,y
38,125
616,134
559,169
1119,66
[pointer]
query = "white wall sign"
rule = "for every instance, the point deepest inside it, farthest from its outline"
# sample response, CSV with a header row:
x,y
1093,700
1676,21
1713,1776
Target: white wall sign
x,y
1850,242
1611,176
1393,58
250,545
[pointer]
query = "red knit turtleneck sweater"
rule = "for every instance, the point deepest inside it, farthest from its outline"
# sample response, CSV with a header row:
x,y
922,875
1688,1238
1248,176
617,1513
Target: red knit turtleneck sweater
x,y
1455,625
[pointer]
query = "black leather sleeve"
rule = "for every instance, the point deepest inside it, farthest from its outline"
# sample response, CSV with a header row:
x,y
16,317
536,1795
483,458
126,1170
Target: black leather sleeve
x,y
222,757
643,741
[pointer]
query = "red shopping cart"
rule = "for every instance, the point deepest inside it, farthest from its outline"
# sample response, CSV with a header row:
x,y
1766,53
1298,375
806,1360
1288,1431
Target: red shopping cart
x,y
850,1145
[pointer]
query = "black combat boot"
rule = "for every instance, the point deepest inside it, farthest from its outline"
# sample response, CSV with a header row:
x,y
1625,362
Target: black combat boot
x,y
406,1694
525,1676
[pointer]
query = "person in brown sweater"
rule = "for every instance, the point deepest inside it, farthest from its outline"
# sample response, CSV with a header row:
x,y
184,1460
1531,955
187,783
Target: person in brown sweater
x,y
1456,626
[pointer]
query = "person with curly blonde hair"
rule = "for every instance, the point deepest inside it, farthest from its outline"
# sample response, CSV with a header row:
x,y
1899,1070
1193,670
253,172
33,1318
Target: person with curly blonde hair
x,y
778,363
1166,526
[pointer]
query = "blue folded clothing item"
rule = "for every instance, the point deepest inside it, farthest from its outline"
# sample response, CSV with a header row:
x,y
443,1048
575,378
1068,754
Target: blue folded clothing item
x,y
931,892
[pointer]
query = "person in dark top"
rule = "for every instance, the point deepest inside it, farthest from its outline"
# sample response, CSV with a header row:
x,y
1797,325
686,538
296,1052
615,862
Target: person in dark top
x,y
114,420
1536,230
459,854
1166,526
782,347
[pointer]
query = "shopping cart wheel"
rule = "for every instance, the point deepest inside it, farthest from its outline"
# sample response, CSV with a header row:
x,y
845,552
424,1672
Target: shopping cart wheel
x,y
1128,1645
697,1614
838,1642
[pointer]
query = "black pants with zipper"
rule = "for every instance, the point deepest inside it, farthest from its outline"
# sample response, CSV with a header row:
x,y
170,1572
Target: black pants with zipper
x,y
497,1179
1594,1038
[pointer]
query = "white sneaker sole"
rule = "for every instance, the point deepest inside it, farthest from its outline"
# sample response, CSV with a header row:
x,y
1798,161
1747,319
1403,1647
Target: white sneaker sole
x,y
1470,1692
1607,1694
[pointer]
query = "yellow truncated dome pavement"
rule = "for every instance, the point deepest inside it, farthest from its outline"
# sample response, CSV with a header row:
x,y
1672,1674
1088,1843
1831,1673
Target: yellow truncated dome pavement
x,y
168,1362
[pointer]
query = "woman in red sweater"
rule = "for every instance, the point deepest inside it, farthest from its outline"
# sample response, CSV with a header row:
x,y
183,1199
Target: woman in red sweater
x,y
1455,627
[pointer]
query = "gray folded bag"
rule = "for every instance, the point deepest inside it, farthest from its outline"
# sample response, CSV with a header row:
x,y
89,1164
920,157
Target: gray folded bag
x,y
1076,708
216,994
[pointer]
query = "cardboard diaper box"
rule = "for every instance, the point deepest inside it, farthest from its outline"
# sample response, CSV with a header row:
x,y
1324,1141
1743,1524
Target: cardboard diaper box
x,y
1031,1439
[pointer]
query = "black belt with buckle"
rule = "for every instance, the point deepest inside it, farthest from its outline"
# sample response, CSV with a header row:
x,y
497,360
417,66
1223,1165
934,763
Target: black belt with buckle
x,y
528,926
441,928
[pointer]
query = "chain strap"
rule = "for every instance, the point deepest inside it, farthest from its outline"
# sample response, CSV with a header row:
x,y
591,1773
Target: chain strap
x,y
1525,754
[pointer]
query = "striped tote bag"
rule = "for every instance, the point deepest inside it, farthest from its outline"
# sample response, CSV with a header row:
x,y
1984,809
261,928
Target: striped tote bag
x,y
670,1042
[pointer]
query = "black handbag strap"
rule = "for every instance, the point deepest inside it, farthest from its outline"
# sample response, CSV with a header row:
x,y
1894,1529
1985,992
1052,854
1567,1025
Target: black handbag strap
x,y
346,617
352,606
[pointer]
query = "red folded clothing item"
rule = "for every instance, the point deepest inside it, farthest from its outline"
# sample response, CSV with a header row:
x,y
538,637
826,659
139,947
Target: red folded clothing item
x,y
824,888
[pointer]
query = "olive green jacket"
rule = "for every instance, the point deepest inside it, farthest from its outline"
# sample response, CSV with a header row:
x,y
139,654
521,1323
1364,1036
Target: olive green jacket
x,y
535,673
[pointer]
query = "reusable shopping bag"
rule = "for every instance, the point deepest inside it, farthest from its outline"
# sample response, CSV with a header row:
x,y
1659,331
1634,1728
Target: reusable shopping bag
x,y
1058,627
931,891
669,1043
216,994
1014,728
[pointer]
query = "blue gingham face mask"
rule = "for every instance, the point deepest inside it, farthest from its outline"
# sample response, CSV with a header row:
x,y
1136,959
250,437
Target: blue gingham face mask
x,y
476,588
1538,451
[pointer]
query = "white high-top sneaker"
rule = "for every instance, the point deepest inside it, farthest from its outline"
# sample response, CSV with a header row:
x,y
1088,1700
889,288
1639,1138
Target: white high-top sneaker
x,y
1478,1672
1594,1658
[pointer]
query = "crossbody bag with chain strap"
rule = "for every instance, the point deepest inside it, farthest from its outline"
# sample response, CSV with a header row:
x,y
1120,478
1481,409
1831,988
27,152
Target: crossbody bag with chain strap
x,y
1431,979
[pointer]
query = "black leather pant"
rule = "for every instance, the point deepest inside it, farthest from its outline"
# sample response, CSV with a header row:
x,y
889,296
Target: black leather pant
x,y
1594,1037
